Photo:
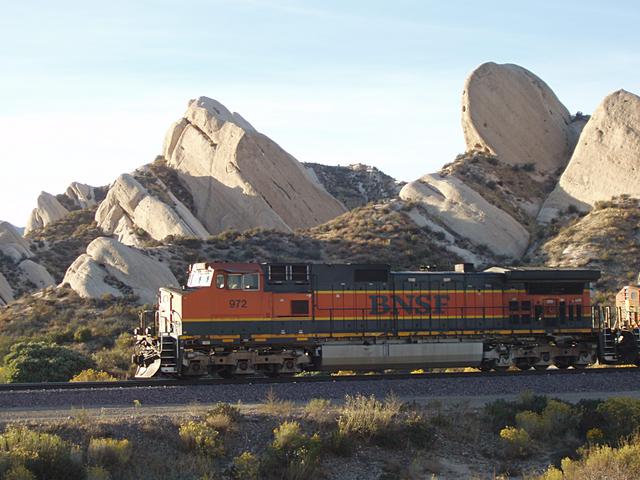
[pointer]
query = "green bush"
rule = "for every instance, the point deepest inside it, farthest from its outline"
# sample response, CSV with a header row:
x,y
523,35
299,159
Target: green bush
x,y
419,431
557,419
293,455
502,413
42,362
201,438
46,456
19,472
82,335
516,442
246,466
98,473
109,452
621,418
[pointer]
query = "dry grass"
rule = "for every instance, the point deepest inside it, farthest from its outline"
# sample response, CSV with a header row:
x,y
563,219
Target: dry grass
x,y
277,407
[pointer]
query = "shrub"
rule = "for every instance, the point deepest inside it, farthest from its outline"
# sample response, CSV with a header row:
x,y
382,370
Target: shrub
x,y
82,335
201,438
595,436
621,416
368,418
91,375
516,442
293,455
503,412
419,431
98,473
42,362
339,444
246,466
557,419
109,452
46,456
276,406
19,472
221,408
319,410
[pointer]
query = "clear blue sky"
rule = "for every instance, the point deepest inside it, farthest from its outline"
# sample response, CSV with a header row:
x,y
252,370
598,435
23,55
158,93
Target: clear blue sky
x,y
88,89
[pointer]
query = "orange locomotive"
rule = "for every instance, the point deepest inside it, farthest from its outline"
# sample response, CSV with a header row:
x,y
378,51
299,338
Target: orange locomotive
x,y
243,318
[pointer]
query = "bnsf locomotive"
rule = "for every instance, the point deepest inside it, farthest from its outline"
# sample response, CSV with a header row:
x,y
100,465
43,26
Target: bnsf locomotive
x,y
245,318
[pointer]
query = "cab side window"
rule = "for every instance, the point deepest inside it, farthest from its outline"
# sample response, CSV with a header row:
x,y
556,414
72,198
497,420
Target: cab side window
x,y
220,280
250,281
234,281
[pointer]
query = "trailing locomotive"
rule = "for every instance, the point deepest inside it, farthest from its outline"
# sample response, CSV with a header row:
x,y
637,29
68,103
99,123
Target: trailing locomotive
x,y
243,318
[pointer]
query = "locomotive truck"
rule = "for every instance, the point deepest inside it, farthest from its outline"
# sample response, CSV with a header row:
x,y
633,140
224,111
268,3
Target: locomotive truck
x,y
283,318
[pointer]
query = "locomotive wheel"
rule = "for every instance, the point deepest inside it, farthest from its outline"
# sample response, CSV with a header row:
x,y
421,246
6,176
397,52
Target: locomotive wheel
x,y
501,368
486,366
561,363
524,364
541,367
579,366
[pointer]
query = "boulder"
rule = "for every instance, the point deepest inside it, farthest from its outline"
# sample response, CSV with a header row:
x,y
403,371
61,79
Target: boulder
x,y
82,195
606,161
12,244
6,292
467,214
36,274
110,267
238,177
49,210
509,112
128,205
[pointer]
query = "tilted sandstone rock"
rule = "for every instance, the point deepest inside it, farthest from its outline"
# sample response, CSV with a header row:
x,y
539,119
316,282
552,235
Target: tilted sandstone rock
x,y
49,210
509,112
36,274
467,214
238,177
128,205
82,195
109,267
606,161
6,292
12,244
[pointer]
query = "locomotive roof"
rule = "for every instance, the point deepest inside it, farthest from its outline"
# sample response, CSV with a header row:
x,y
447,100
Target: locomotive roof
x,y
542,273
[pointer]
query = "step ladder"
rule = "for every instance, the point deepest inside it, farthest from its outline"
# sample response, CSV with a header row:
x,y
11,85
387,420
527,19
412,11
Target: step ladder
x,y
168,354
608,346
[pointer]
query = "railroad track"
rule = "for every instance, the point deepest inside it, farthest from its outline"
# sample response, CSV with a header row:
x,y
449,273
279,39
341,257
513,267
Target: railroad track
x,y
129,384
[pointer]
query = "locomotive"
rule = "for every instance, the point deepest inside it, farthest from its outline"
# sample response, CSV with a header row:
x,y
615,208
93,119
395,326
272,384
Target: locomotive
x,y
283,318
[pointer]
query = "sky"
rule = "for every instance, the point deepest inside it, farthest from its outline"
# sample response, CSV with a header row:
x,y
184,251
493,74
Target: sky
x,y
89,88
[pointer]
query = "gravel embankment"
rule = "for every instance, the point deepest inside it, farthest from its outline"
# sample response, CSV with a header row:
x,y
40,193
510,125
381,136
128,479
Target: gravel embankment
x,y
623,380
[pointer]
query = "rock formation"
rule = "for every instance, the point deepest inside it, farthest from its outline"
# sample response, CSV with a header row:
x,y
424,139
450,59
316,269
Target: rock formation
x,y
82,195
606,161
467,214
6,292
238,177
12,244
109,267
19,273
509,112
49,210
355,185
129,205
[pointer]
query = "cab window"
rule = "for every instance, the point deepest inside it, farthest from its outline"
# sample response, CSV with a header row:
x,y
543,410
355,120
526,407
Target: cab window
x,y
234,281
250,281
220,280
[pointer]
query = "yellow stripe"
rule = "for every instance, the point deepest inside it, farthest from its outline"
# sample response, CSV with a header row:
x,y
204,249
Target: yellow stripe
x,y
369,318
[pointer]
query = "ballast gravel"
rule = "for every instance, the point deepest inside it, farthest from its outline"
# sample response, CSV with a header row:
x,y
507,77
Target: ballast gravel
x,y
616,380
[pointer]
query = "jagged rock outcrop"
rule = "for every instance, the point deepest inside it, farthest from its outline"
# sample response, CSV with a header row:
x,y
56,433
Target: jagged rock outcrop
x,y
19,273
467,214
355,185
6,292
81,195
12,244
238,177
49,210
109,267
606,161
36,274
129,205
509,112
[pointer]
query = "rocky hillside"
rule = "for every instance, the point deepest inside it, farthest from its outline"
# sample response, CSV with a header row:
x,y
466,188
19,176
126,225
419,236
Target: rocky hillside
x,y
529,189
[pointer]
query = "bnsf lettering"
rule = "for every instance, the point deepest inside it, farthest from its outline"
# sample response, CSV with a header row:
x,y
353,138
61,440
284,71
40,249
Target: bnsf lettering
x,y
416,304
